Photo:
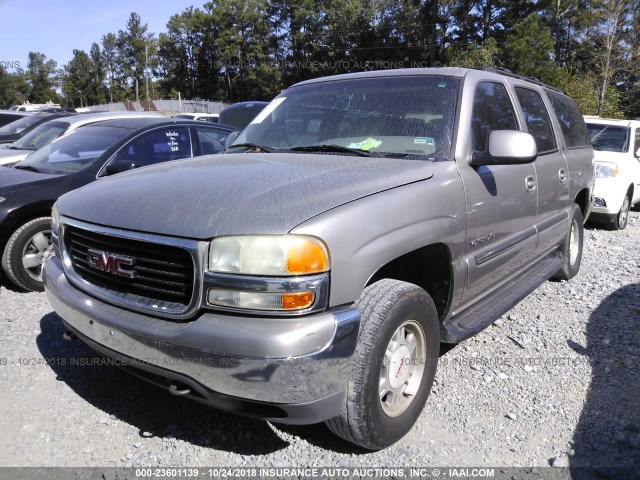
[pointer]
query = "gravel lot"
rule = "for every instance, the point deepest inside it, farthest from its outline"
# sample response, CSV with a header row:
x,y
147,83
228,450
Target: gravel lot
x,y
556,381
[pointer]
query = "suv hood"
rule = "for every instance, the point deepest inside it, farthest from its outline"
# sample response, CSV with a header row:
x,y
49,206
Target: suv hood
x,y
241,193
15,180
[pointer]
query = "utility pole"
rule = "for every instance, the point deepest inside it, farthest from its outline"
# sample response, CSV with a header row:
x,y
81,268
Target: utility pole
x,y
146,68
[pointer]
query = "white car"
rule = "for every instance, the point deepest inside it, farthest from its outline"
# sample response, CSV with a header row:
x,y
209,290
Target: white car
x,y
49,131
616,145
202,117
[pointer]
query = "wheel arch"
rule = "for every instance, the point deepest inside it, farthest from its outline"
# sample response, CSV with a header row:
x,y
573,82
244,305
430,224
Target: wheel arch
x,y
429,267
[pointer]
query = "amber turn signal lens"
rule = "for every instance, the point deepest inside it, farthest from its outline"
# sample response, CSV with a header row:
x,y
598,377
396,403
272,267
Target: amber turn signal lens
x,y
297,301
306,257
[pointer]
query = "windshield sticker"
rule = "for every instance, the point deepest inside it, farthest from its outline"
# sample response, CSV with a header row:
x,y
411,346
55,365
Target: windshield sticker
x,y
266,111
424,141
368,144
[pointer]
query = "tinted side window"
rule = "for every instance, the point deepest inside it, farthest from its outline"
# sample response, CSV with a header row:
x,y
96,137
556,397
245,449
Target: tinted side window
x,y
492,110
636,144
211,141
537,119
570,119
156,147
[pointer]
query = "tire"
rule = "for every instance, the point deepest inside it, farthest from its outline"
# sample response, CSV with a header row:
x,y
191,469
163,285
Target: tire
x,y
620,222
401,319
30,243
571,247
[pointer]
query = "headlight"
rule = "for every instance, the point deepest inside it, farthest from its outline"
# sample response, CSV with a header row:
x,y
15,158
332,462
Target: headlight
x,y
606,170
2,199
271,255
55,220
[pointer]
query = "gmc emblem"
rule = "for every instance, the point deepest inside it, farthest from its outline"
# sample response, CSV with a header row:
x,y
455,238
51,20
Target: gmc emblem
x,y
110,263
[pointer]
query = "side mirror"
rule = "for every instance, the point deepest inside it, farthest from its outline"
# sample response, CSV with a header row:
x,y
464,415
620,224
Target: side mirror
x,y
119,166
508,147
230,138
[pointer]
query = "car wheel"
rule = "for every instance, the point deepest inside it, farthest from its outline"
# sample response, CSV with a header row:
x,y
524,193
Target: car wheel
x,y
394,365
28,248
571,247
620,223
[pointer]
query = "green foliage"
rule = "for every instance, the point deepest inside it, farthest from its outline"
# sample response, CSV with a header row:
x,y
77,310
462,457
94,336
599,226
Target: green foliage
x,y
233,50
529,51
41,75
486,55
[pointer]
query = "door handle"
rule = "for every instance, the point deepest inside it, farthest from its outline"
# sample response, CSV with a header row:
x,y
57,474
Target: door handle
x,y
530,183
562,175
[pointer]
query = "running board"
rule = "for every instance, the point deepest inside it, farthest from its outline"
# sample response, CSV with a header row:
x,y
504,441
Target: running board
x,y
483,313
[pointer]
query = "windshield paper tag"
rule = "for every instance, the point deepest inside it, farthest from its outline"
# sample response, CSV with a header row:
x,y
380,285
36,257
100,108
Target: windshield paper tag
x,y
424,141
268,109
368,144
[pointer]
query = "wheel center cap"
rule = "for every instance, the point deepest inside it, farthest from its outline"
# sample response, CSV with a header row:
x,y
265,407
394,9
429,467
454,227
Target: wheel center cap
x,y
400,367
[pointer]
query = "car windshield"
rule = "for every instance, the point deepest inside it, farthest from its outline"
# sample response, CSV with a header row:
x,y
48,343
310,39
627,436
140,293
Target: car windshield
x,y
19,125
41,135
75,151
609,138
398,116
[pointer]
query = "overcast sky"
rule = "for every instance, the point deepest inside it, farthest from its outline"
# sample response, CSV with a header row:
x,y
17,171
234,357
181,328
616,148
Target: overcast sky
x,y
57,27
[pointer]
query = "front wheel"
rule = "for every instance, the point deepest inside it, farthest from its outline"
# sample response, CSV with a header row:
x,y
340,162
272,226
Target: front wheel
x,y
620,222
28,248
395,363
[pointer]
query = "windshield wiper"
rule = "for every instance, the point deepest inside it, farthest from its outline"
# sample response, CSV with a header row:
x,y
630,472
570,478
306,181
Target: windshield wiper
x,y
335,148
255,147
27,167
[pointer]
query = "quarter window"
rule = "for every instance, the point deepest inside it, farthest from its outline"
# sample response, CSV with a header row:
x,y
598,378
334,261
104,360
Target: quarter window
x,y
537,119
570,119
492,110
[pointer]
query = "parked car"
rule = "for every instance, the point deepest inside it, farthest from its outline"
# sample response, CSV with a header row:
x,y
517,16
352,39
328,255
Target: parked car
x,y
202,117
33,107
240,114
13,131
8,116
312,276
93,151
617,150
47,132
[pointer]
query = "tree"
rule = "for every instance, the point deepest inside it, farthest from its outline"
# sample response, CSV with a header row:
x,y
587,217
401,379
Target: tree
x,y
14,87
40,75
486,55
529,51
137,55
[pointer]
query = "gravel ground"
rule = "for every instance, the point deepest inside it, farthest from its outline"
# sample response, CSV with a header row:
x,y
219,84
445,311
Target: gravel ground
x,y
553,382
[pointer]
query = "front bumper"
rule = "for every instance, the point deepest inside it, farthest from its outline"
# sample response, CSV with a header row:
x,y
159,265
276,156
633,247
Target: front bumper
x,y
288,370
613,192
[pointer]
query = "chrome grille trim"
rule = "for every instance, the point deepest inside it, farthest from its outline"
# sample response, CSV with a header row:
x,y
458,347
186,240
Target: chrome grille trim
x,y
155,306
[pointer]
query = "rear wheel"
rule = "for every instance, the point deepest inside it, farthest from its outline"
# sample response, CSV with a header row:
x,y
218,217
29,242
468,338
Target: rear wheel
x,y
395,363
28,248
571,248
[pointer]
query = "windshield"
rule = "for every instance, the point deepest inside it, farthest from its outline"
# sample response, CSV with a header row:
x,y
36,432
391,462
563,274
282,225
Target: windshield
x,y
400,116
608,138
41,135
19,125
75,151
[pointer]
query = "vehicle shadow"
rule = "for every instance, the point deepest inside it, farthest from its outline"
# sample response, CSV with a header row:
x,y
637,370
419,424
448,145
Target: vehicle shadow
x,y
607,438
320,436
151,410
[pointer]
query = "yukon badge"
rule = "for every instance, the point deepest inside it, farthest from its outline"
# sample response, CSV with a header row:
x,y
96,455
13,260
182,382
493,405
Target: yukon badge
x,y
110,263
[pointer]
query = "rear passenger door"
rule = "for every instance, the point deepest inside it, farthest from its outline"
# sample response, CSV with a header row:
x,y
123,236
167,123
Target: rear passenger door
x,y
551,170
160,145
501,200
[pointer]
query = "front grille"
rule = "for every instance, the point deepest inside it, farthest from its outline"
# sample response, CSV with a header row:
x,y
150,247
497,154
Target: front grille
x,y
162,272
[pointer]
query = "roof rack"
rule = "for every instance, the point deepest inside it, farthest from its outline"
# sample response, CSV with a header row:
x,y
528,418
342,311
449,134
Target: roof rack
x,y
508,73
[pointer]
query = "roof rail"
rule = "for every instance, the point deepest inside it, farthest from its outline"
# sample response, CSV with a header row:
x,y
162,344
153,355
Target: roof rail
x,y
508,73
